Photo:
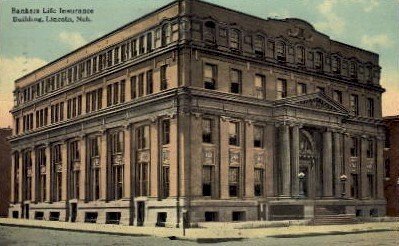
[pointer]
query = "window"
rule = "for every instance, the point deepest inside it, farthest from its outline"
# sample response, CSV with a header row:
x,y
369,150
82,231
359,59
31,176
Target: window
x,y
164,80
209,77
320,89
149,82
318,60
258,182
238,216
27,174
281,88
207,180
165,39
354,188
141,85
337,96
235,86
143,137
258,136
336,65
123,93
109,58
141,45
354,147
123,53
94,167
234,134
300,55
41,164
165,132
259,46
149,42
116,143
206,130
354,104
133,49
370,179
370,107
116,93
235,39
353,69
281,55
234,173
165,181
94,100
133,84
370,148
74,156
301,89
209,32
116,55
211,216
56,162
260,86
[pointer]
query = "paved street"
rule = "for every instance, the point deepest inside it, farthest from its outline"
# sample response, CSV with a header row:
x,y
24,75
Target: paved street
x,y
27,236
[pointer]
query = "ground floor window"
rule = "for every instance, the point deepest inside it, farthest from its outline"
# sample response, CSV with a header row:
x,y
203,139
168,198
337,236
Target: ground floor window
x,y
238,216
234,173
258,185
91,217
211,216
142,179
161,219
207,178
113,218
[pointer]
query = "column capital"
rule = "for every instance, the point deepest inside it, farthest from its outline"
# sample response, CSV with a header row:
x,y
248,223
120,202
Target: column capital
x,y
196,114
224,118
249,122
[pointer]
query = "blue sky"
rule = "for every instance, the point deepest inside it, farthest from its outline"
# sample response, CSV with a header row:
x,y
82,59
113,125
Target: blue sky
x,y
368,24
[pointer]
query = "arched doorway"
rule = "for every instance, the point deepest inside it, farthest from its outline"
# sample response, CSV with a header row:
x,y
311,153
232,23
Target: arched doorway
x,y
307,156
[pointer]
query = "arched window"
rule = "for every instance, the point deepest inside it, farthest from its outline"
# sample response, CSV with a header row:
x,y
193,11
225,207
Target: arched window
x,y
336,65
318,60
353,69
300,55
281,55
165,34
259,46
210,31
235,39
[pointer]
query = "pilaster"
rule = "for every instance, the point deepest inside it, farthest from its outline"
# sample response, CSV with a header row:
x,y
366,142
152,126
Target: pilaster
x,y
379,165
34,172
12,195
363,168
224,158
82,168
20,178
103,166
295,160
338,163
285,160
48,174
64,183
249,160
127,161
327,164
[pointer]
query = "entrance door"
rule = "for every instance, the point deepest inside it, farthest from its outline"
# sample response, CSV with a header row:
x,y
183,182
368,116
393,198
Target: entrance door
x,y
140,213
74,208
305,180
26,211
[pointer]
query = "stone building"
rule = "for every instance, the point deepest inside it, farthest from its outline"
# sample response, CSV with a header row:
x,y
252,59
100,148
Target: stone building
x,y
5,170
391,160
201,112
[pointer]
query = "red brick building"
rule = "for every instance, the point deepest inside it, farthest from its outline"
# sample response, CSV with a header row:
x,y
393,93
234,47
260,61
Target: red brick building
x,y
391,157
5,171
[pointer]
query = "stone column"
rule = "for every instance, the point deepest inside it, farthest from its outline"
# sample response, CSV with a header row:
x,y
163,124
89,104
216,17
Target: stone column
x,y
346,168
127,162
48,174
20,177
249,160
327,164
103,166
12,195
379,165
338,163
285,160
34,175
224,159
64,183
295,160
363,168
82,169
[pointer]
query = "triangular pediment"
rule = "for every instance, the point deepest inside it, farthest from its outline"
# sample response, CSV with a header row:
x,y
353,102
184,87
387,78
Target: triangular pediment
x,y
315,101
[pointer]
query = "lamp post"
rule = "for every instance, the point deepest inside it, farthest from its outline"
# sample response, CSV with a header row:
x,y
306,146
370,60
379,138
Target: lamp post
x,y
301,177
343,179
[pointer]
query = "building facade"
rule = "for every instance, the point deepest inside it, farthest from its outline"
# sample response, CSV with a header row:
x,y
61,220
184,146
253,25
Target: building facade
x,y
391,160
5,173
199,112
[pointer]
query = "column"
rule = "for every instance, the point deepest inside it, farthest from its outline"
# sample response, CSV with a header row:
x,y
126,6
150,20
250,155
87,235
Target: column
x,y
338,163
363,168
295,160
379,165
103,166
82,169
327,164
285,160
224,159
127,163
33,175
174,177
249,160
12,195
20,177
271,180
48,174
64,181
155,152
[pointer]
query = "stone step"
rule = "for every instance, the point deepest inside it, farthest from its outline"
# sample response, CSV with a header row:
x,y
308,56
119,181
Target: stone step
x,y
334,219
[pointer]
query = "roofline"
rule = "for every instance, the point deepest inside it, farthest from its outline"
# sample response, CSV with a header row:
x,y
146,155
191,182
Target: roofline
x,y
100,38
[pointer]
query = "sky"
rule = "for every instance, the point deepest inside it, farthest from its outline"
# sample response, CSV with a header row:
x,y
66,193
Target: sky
x,y
369,24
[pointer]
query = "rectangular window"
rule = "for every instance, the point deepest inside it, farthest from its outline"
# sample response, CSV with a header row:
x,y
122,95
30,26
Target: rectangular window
x,y
163,77
133,84
165,132
123,93
235,86
109,95
141,85
318,60
337,96
258,182
354,185
301,89
235,39
260,86
336,65
281,88
109,58
234,133
209,77
116,55
141,45
206,130
370,148
149,42
165,181
258,136
150,86
234,177
354,147
354,104
207,180
116,93
370,179
143,137
370,107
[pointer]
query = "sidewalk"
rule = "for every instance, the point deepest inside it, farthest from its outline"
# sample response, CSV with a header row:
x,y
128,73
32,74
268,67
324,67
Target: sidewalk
x,y
206,234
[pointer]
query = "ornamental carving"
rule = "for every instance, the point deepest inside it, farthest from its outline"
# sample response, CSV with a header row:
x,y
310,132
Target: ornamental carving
x,y
209,156
165,156
234,157
29,172
58,167
43,169
117,160
317,103
96,162
370,166
259,159
299,32
143,156
76,166
353,165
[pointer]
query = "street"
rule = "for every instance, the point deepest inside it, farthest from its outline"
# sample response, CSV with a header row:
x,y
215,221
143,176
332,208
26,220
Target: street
x,y
32,236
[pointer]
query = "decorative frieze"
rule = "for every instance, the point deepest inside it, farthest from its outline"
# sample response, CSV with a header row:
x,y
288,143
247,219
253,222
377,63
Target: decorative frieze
x,y
354,165
143,156
209,156
118,159
234,157
259,158
42,169
165,156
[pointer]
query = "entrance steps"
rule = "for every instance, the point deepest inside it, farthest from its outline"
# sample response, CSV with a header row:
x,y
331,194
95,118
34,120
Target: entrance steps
x,y
332,216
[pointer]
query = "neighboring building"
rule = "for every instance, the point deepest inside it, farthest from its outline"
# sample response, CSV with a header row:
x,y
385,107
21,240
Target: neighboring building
x,y
200,111
391,160
5,171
